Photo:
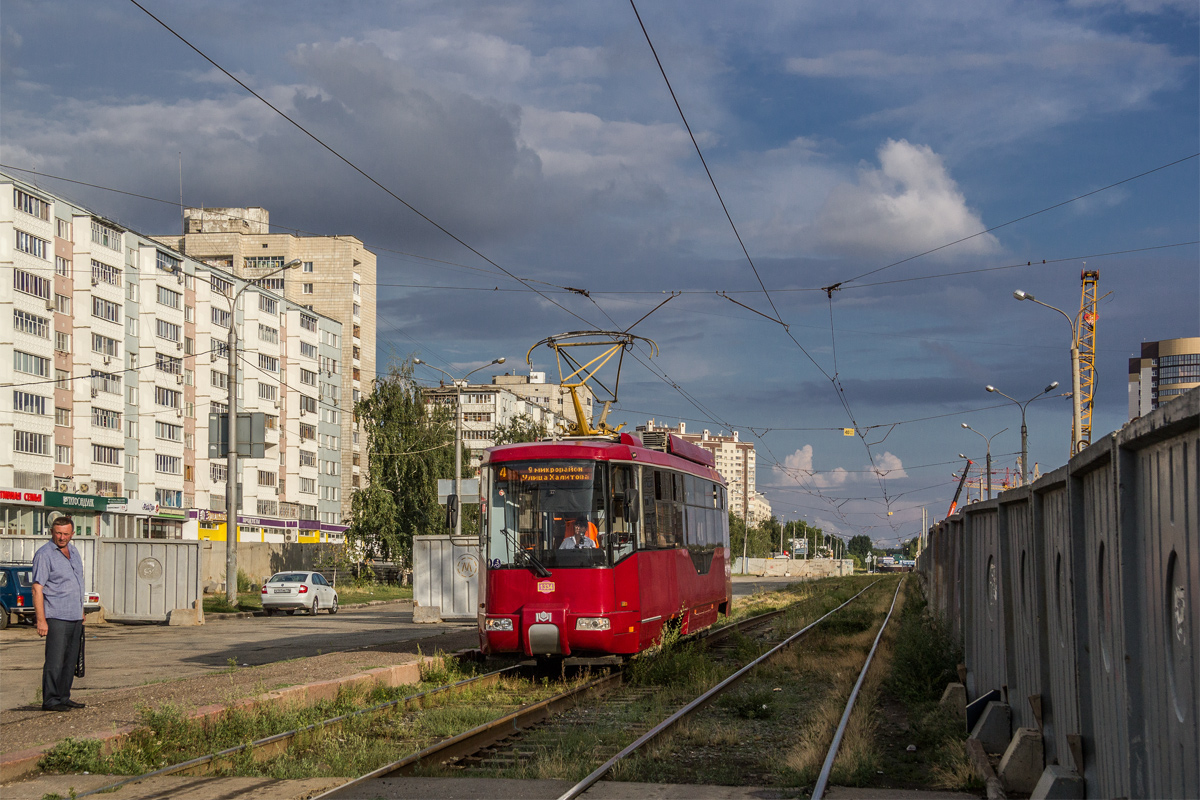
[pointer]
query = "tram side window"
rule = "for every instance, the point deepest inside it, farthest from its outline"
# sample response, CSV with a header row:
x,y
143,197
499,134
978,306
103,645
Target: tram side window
x,y
662,514
649,510
624,528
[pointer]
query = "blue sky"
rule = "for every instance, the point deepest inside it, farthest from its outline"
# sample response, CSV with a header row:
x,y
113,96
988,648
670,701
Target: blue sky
x,y
843,138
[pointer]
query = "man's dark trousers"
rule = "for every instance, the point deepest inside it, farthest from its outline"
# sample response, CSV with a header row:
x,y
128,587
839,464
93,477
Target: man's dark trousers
x,y
62,653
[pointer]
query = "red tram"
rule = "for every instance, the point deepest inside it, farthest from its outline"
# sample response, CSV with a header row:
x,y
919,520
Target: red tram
x,y
593,545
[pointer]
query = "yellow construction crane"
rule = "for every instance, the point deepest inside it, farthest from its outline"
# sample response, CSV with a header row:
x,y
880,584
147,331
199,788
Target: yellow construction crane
x,y
1086,342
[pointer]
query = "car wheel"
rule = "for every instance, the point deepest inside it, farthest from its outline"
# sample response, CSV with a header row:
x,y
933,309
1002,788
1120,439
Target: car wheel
x,y
3,618
291,611
270,612
333,608
315,606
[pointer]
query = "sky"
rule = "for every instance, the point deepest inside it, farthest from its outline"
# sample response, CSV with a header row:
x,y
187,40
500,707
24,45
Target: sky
x,y
928,158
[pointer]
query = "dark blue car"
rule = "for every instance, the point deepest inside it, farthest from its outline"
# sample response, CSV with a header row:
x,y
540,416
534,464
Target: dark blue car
x,y
16,593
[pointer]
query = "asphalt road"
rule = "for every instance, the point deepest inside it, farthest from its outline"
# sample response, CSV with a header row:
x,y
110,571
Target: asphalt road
x,y
120,656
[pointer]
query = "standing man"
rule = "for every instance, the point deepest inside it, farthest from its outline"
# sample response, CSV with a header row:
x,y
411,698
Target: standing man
x,y
58,602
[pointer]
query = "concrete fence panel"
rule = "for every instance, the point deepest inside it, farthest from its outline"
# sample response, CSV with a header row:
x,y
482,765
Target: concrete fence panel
x,y
446,575
1082,590
144,580
20,550
984,645
1159,462
1061,617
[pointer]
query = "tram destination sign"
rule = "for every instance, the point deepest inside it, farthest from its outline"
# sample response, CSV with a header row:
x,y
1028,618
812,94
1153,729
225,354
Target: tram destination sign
x,y
546,472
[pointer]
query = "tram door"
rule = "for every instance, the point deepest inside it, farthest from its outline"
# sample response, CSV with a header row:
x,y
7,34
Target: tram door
x,y
657,580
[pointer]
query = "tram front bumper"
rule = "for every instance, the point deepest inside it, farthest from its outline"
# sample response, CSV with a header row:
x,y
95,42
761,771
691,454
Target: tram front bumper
x,y
543,628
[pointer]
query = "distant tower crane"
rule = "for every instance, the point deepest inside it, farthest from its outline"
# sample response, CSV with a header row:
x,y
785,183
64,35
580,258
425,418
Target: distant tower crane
x,y
1086,342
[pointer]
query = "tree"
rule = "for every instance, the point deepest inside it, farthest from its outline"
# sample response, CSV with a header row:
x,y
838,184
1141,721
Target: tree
x,y
409,446
860,546
521,428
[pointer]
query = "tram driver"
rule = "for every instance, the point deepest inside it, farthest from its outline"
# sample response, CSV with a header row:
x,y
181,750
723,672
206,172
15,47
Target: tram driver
x,y
582,534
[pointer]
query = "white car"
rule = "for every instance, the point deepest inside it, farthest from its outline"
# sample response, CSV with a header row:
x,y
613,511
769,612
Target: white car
x,y
298,590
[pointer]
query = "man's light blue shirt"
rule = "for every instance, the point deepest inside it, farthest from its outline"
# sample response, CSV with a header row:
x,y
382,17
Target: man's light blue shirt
x,y
61,580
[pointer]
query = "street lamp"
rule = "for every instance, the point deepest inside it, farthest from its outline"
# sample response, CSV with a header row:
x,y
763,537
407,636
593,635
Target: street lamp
x,y
458,384
231,504
987,439
1077,408
1024,430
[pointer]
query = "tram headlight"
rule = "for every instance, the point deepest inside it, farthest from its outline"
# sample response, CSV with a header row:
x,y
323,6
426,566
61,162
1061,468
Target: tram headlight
x,y
497,624
592,624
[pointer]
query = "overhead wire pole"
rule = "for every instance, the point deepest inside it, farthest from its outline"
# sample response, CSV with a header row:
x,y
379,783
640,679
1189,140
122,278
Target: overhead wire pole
x,y
231,462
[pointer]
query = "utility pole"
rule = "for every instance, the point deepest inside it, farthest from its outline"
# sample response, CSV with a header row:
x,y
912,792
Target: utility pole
x,y
231,461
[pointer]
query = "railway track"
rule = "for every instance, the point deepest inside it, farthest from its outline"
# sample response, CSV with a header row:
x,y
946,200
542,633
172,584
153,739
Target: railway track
x,y
519,737
512,740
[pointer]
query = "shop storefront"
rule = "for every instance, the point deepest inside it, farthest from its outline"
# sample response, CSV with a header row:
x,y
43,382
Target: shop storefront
x,y
30,513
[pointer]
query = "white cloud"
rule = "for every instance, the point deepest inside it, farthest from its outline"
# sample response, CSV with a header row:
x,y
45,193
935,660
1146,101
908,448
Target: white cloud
x,y
797,467
909,205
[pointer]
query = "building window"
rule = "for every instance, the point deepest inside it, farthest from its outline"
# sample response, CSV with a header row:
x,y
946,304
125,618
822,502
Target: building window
x,y
105,236
267,304
219,348
268,334
165,430
62,266
308,377
217,472
169,297
168,364
103,418
62,304
62,454
266,478
24,322
308,486
103,309
220,317
264,262
307,266
106,455
220,285
167,263
167,397
267,391
306,288
62,417
28,204
219,380
268,363
34,246
27,403
168,465
308,459
357,310
307,432
308,404
62,342
170,498
308,350
109,348
105,273
167,330
32,284
35,444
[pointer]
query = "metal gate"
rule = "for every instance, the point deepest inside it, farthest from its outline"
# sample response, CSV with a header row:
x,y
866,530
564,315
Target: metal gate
x,y
446,577
144,580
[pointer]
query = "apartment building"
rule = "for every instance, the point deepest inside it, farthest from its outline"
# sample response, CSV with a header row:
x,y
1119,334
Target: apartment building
x,y
335,277
1165,370
115,349
552,397
486,407
735,460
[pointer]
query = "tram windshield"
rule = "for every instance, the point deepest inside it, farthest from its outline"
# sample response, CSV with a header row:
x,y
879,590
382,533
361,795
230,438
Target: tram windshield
x,y
547,514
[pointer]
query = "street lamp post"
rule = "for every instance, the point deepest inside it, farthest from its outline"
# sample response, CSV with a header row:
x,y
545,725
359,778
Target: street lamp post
x,y
458,384
231,504
987,439
1024,430
1077,407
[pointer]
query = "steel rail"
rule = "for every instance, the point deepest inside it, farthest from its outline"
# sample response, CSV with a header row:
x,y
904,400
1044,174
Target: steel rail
x,y
270,745
827,768
698,703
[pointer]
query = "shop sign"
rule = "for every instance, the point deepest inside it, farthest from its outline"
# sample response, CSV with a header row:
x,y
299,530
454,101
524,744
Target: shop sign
x,y
172,513
20,497
133,507
76,502
205,515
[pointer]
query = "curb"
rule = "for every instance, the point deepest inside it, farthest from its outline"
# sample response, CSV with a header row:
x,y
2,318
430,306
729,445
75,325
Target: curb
x,y
23,763
213,616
